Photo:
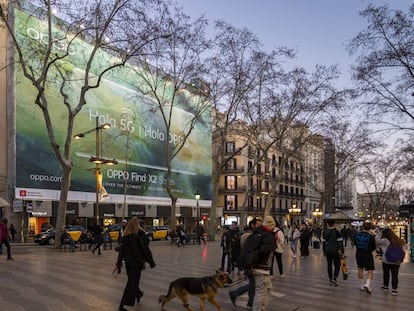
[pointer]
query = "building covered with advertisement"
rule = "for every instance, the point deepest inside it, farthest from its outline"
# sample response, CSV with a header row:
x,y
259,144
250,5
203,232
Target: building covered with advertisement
x,y
30,174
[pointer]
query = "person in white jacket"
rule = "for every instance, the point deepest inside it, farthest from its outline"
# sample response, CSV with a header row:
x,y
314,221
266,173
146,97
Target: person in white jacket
x,y
280,247
293,237
388,239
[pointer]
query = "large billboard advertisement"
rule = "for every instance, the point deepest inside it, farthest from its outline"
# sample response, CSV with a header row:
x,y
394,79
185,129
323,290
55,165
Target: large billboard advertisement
x,y
136,139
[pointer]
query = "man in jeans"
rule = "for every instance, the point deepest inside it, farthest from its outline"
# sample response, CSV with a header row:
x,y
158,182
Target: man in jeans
x,y
334,245
249,287
257,255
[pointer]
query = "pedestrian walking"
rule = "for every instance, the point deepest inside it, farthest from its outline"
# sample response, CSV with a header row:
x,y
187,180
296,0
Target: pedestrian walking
x,y
248,288
365,245
278,251
4,237
333,249
293,237
230,243
134,251
225,249
12,232
390,242
257,255
345,235
352,232
97,238
305,236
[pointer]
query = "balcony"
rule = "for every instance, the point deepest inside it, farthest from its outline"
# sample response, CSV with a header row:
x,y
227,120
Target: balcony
x,y
238,189
237,169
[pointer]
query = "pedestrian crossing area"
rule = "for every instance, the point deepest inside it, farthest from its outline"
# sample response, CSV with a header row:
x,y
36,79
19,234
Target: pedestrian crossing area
x,y
41,278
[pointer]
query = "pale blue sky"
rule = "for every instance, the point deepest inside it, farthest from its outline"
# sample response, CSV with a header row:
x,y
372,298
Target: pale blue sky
x,y
317,29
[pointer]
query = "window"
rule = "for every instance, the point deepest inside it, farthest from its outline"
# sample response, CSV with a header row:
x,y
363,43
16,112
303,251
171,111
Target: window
x,y
231,182
230,147
231,203
231,164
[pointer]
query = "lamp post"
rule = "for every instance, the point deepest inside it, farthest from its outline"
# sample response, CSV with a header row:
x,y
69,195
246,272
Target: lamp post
x,y
317,213
197,197
293,210
98,160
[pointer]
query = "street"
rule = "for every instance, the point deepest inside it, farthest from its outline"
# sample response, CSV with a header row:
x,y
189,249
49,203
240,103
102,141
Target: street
x,y
41,278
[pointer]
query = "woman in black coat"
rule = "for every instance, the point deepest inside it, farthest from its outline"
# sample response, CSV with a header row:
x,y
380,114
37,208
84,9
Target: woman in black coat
x,y
305,236
135,252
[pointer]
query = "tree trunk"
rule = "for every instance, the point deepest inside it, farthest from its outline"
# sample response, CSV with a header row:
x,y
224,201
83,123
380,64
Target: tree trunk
x,y
61,213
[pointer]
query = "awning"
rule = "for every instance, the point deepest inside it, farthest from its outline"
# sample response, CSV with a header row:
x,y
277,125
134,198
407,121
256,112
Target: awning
x,y
4,203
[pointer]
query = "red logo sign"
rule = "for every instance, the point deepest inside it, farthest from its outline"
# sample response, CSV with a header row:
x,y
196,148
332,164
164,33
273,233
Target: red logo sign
x,y
22,193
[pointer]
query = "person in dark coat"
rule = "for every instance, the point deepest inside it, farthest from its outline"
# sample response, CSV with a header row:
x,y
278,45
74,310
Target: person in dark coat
x,y
334,245
135,252
305,236
256,255
97,238
4,238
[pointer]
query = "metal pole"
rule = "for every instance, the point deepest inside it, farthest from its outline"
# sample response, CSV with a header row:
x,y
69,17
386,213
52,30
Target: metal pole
x,y
97,171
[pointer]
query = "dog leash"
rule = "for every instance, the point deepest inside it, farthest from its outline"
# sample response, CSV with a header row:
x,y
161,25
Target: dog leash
x,y
236,281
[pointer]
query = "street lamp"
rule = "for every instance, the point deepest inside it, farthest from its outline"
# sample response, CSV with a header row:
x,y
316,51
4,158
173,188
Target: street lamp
x,y
317,213
98,160
293,210
197,197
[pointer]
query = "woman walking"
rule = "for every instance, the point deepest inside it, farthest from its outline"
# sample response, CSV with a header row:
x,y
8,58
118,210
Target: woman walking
x,y
293,237
390,242
135,252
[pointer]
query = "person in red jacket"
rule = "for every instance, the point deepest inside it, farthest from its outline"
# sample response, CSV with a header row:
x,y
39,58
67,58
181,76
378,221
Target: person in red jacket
x,y
4,238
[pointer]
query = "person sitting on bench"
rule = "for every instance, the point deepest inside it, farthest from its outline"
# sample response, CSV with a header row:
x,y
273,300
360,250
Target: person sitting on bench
x,y
67,239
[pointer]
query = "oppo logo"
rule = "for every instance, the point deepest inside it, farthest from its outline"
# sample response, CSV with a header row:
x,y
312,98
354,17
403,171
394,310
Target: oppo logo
x,y
58,44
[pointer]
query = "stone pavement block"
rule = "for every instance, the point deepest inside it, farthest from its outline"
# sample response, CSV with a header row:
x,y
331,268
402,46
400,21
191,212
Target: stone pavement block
x,y
41,278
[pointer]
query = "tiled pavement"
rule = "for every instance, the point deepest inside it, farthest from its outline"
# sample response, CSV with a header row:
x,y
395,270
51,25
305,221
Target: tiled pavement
x,y
41,278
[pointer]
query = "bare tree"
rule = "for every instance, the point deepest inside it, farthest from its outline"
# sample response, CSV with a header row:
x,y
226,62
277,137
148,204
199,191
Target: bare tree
x,y
346,146
236,70
384,72
121,28
289,110
382,180
170,76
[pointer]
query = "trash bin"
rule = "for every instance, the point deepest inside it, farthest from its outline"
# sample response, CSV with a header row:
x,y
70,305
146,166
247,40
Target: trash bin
x,y
316,244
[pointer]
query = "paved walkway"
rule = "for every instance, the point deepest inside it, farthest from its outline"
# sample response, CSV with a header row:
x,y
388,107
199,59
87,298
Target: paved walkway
x,y
41,278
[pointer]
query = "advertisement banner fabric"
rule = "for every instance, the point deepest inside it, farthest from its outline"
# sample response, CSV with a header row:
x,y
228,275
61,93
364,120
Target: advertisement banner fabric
x,y
137,138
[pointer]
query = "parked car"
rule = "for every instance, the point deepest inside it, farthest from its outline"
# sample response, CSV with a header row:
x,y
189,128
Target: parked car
x,y
46,238
158,233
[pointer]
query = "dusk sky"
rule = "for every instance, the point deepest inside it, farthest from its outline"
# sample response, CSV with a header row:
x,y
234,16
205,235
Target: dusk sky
x,y
317,29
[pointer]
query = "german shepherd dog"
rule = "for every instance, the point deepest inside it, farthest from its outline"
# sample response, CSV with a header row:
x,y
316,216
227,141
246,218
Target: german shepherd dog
x,y
204,288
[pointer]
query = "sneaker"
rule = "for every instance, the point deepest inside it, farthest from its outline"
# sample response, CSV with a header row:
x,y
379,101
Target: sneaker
x,y
249,307
394,292
367,289
362,288
232,298
294,256
282,276
334,282
384,287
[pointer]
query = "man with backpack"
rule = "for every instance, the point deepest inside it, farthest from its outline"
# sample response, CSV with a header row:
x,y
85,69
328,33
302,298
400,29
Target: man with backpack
x,y
256,254
249,287
365,245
